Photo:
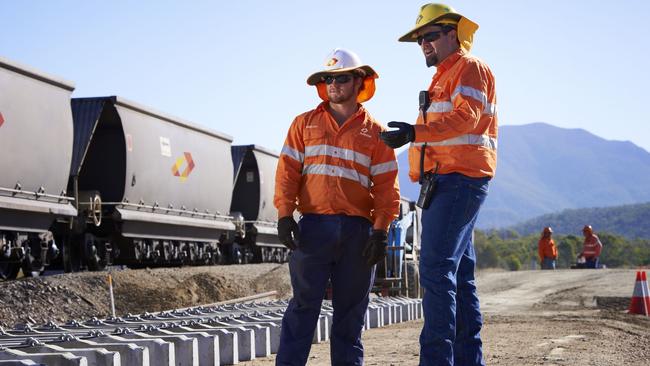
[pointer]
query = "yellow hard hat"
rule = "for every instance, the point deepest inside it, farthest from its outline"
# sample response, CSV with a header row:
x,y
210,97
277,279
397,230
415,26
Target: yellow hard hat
x,y
339,61
443,14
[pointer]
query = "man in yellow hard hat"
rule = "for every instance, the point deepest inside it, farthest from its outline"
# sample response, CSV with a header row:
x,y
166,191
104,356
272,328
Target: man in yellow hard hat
x,y
453,157
338,174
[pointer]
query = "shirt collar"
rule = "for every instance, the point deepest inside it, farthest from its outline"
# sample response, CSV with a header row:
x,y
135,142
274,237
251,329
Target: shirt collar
x,y
450,60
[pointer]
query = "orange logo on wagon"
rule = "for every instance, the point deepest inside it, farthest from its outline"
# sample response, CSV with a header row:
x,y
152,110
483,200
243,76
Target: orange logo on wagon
x,y
186,162
2,119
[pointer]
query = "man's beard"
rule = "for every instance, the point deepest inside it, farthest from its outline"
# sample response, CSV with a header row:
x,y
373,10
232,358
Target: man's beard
x,y
432,60
339,97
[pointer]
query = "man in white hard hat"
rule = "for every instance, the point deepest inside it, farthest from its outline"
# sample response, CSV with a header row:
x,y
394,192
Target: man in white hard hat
x,y
591,248
337,173
453,157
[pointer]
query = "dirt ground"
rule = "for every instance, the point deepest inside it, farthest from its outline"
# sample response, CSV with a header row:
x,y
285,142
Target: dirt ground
x,y
565,317
83,295
570,317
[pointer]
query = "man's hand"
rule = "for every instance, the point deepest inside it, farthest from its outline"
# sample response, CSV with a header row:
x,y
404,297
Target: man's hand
x,y
288,232
404,134
375,249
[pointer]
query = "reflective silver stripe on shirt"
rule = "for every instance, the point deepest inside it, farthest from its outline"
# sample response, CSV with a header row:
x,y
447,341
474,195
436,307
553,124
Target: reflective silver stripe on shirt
x,y
338,152
440,107
468,91
490,109
383,168
443,107
336,171
473,93
469,139
293,153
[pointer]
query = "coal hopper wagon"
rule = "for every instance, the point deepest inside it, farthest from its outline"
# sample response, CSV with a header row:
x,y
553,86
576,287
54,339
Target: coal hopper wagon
x,y
36,134
254,170
152,189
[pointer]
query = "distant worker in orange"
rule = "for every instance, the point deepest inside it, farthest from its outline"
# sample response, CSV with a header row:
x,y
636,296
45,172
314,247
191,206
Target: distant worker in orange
x,y
547,249
591,248
338,174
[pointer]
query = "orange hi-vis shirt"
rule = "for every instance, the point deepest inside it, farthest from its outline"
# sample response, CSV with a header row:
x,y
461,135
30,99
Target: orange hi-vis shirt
x,y
461,121
592,247
325,168
546,248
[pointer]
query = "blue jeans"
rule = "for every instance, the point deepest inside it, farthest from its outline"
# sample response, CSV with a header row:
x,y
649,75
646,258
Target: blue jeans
x,y
330,248
548,263
591,262
452,318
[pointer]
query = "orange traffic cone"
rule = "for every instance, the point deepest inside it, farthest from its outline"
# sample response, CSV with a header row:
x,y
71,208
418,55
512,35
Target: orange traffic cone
x,y
641,297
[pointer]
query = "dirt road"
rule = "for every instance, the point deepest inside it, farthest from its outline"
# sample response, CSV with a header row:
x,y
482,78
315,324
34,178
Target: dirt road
x,y
565,317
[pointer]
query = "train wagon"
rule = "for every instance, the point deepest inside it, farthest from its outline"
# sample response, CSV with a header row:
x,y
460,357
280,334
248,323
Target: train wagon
x,y
36,134
254,170
152,189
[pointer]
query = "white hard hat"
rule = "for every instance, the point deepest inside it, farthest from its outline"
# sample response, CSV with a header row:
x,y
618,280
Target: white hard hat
x,y
339,61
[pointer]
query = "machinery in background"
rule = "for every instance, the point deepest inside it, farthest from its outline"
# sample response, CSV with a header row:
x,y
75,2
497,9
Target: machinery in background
x,y
398,274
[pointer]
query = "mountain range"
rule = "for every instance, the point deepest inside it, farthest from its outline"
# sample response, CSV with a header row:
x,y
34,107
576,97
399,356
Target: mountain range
x,y
629,221
543,169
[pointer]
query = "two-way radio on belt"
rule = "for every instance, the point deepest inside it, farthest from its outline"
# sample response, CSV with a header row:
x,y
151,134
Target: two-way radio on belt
x,y
427,181
424,105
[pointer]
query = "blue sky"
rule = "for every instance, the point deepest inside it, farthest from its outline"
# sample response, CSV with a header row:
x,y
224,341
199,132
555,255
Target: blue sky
x,y
240,67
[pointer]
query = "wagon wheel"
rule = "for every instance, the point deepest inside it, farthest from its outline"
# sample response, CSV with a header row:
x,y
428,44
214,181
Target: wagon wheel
x,y
32,264
93,255
9,270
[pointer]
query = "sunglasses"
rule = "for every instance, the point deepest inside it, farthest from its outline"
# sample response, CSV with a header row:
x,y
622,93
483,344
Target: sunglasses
x,y
340,79
429,37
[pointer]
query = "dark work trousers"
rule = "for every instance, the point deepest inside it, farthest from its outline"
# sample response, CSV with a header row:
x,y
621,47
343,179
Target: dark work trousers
x,y
548,263
452,318
591,262
330,247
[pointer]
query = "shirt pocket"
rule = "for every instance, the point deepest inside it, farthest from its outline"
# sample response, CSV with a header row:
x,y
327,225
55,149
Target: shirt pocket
x,y
440,94
440,103
314,136
315,140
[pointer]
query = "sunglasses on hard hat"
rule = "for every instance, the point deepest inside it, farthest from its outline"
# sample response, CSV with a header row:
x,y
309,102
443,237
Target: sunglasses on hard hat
x,y
340,79
430,37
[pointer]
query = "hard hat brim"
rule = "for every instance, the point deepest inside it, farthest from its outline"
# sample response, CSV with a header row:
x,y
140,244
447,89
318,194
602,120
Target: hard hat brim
x,y
410,36
317,77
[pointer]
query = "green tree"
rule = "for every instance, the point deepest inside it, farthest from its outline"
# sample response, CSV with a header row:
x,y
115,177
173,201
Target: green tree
x,y
513,263
567,249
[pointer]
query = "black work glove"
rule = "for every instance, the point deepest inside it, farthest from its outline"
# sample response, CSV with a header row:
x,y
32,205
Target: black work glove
x,y
404,134
288,232
375,249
